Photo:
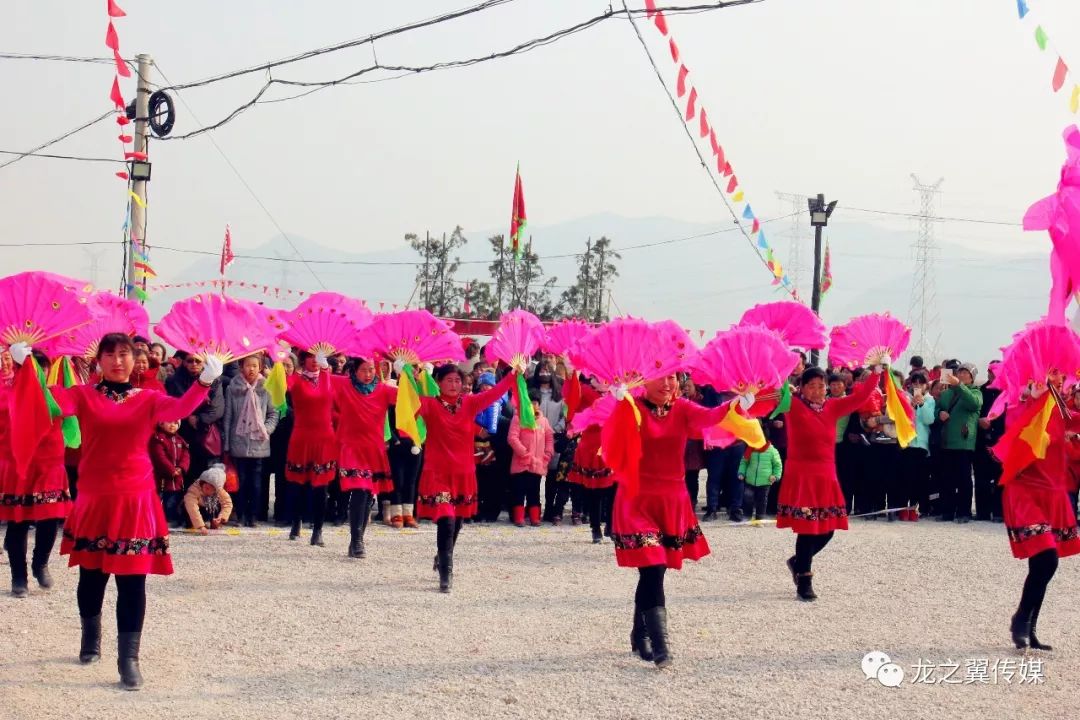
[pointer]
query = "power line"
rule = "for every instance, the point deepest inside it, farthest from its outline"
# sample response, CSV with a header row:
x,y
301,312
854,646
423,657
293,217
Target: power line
x,y
248,187
61,157
936,218
409,70
66,135
58,58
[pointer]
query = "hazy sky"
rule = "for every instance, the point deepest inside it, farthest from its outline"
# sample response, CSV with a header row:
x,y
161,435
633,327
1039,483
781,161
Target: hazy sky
x,y
845,97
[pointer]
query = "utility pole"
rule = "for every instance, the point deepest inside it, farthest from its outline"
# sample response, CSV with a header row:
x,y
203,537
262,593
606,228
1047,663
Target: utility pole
x,y
442,277
792,204
499,280
427,276
819,218
601,246
137,231
923,310
585,290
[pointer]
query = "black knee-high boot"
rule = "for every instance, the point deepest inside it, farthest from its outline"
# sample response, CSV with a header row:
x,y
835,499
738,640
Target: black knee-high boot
x,y
1041,568
318,514
15,544
44,541
296,497
359,504
446,535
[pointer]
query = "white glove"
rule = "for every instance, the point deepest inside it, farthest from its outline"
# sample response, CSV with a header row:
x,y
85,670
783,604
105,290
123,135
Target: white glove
x,y
320,360
212,368
746,401
415,449
429,368
390,383
19,352
399,366
619,392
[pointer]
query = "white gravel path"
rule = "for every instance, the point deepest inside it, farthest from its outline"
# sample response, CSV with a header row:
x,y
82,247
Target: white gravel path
x,y
253,626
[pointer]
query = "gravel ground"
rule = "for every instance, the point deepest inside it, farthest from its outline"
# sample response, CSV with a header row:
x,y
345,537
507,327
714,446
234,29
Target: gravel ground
x,y
254,626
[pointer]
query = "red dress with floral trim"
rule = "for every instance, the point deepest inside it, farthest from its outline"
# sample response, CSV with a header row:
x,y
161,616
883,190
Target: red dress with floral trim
x,y
1035,504
312,458
42,493
587,467
448,481
810,500
657,526
362,459
117,524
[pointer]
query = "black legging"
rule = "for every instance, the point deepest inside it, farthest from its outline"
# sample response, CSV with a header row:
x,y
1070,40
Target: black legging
x,y
15,542
130,598
1041,569
650,588
806,547
446,534
318,502
600,505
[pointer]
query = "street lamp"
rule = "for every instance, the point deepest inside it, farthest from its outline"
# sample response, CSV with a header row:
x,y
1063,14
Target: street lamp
x,y
819,218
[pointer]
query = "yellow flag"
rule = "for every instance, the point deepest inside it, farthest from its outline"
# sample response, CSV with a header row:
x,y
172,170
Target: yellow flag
x,y
276,386
905,430
54,372
743,428
1035,434
408,404
1074,101
737,197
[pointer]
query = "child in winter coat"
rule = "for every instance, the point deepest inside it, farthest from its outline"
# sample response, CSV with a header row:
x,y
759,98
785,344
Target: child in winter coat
x,y
759,469
171,459
533,450
207,502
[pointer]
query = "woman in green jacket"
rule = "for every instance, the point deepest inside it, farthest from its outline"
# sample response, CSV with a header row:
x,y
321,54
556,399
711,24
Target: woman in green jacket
x,y
958,408
759,469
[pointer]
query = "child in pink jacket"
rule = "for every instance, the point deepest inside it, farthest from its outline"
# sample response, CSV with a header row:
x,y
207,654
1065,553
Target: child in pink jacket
x,y
533,450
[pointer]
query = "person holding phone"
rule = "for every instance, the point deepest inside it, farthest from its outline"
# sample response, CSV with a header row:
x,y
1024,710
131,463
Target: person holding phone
x,y
958,410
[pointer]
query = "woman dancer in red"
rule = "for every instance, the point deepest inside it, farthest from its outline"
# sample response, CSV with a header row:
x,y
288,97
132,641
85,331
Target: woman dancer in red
x,y
360,403
811,502
1039,515
39,495
655,527
117,526
311,461
447,492
589,471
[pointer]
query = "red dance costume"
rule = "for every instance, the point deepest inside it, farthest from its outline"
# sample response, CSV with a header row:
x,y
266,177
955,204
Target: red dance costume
x,y
810,500
1035,504
448,481
588,468
42,493
117,524
657,526
362,458
313,447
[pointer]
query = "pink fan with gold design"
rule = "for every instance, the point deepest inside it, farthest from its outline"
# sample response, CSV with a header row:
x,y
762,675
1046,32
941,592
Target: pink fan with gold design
x,y
412,336
327,323
224,327
35,307
868,340
516,340
561,337
128,312
796,324
630,352
745,359
110,314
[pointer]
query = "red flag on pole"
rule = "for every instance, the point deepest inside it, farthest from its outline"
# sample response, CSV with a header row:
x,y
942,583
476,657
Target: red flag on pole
x,y
467,309
518,220
226,251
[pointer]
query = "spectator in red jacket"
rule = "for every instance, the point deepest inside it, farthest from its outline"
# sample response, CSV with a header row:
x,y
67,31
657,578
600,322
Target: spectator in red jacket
x,y
144,375
171,459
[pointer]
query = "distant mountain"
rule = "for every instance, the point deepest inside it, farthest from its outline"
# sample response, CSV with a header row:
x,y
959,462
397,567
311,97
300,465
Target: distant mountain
x,y
703,275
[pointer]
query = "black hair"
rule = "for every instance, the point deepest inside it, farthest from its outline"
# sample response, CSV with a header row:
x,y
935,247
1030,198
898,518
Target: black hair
x,y
811,373
444,371
952,364
304,355
534,395
919,377
917,362
141,339
43,360
114,342
835,377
